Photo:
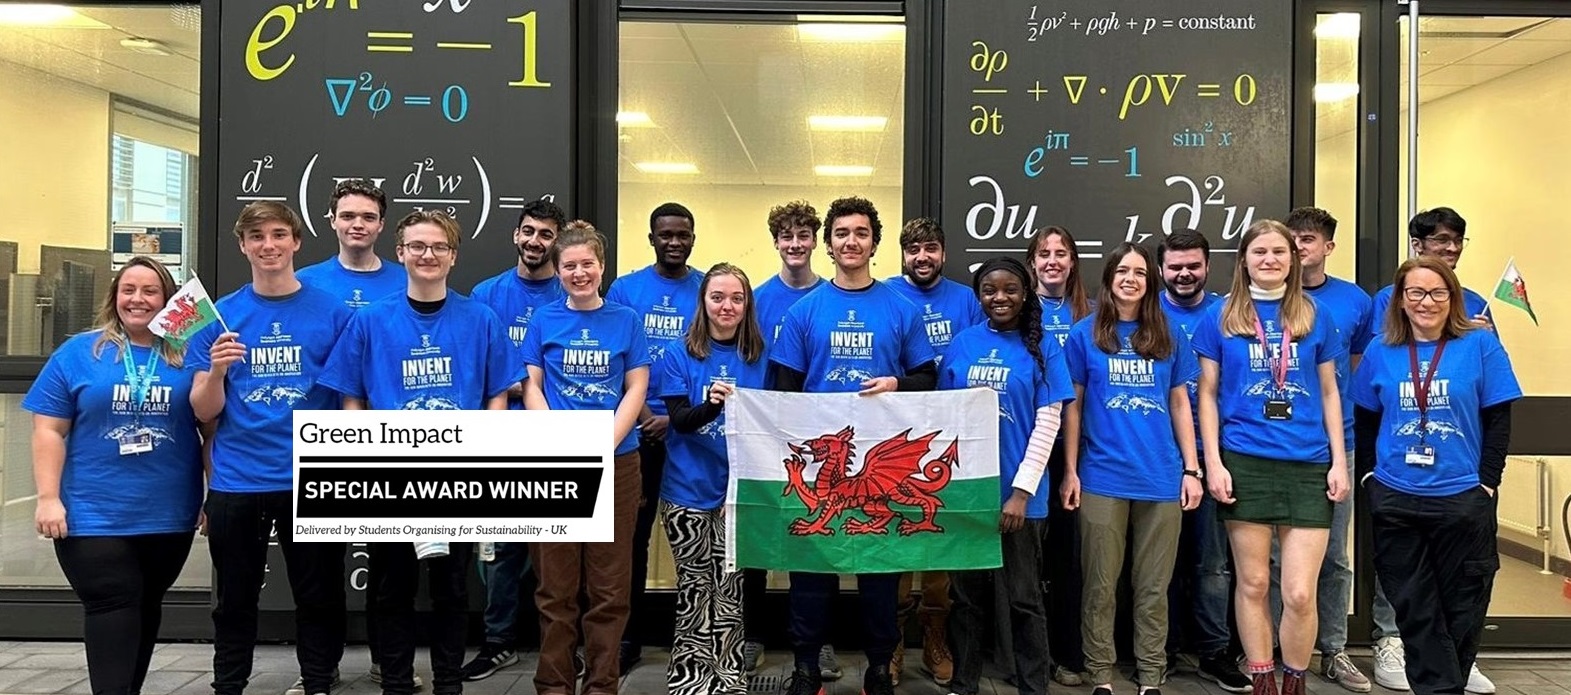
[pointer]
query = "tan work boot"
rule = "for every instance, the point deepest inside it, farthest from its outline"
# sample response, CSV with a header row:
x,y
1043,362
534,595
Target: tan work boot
x,y
935,647
897,663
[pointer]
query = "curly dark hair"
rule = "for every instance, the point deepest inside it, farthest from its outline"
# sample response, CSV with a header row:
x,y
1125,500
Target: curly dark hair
x,y
543,210
797,213
358,187
853,206
1030,322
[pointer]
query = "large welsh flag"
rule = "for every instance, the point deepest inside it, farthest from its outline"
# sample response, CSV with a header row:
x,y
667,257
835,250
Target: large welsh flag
x,y
844,484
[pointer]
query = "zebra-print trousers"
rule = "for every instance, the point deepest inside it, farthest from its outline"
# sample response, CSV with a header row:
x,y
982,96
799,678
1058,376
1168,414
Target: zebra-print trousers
x,y
706,654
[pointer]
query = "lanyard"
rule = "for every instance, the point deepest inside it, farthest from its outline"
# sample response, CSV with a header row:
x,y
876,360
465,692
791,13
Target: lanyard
x,y
1279,362
140,386
1421,385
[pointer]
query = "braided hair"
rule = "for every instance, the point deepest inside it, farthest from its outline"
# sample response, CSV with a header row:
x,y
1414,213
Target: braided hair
x,y
1030,322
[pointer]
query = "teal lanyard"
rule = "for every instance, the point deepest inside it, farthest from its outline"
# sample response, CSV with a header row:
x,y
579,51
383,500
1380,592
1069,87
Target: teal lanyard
x,y
140,386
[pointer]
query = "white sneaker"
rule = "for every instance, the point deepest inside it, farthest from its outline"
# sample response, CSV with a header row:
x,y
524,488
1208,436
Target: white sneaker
x,y
1479,683
1391,664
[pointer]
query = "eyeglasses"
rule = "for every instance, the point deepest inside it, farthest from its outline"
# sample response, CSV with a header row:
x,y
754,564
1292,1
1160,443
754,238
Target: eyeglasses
x,y
1417,294
1440,241
418,249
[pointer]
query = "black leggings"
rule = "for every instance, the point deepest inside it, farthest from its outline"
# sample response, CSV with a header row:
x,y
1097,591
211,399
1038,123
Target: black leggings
x,y
121,581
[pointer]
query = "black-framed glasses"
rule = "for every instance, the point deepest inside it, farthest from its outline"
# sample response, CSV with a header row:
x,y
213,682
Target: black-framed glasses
x,y
418,249
1440,241
1417,294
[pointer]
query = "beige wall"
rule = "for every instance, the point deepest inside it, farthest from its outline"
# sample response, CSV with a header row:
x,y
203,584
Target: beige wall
x,y
55,182
1336,190
730,222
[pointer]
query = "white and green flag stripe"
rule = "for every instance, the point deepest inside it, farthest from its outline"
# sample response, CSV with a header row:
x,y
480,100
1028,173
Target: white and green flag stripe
x,y
842,483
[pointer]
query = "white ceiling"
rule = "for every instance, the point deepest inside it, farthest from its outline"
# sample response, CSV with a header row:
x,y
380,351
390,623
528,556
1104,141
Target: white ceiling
x,y
734,101
94,57
1455,53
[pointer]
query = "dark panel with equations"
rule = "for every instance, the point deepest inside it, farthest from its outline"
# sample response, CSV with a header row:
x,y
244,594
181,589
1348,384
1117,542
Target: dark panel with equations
x,y
1116,119
459,105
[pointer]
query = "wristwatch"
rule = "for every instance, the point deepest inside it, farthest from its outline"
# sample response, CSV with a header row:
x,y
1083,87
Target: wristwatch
x,y
1196,473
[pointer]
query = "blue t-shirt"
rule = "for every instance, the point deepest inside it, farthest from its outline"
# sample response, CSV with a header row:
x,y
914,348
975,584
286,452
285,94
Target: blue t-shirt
x,y
1474,373
396,358
1128,449
664,306
357,289
287,342
840,338
1473,302
1186,319
105,493
773,299
1247,384
981,356
1349,306
947,307
697,468
1058,318
515,301
585,357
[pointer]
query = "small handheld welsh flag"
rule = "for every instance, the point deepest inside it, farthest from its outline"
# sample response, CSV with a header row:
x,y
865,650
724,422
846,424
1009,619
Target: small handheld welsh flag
x,y
1512,289
189,311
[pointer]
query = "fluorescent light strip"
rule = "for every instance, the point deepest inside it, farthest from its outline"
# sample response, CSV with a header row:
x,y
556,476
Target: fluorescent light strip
x,y
39,15
1327,92
666,167
848,124
843,170
634,119
1342,25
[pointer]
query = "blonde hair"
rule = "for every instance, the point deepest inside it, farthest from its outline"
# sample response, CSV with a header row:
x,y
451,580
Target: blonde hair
x,y
579,233
442,220
1297,315
112,329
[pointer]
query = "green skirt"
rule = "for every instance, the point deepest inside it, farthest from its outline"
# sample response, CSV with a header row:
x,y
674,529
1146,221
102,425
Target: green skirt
x,y
1276,492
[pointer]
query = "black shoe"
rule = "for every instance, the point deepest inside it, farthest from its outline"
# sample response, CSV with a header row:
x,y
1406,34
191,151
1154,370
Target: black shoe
x,y
628,657
805,682
1102,691
1222,671
878,681
492,658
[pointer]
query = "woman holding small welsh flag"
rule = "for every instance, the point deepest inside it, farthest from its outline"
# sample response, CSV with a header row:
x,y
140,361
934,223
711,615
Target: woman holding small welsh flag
x,y
1432,414
1008,354
723,350
117,463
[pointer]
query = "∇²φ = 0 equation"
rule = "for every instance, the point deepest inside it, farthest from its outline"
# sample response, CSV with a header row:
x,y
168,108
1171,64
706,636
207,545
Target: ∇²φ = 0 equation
x,y
1059,142
341,93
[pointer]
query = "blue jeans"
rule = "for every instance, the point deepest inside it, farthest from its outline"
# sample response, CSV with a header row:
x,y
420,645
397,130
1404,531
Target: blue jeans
x,y
1211,585
501,577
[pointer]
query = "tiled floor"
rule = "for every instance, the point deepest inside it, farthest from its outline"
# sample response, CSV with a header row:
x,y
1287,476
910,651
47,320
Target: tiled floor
x,y
185,669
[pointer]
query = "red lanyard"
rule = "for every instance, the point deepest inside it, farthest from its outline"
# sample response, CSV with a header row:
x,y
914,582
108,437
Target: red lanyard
x,y
1279,362
1421,385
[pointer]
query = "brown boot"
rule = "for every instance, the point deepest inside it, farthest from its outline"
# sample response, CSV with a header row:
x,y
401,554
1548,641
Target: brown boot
x,y
897,663
1265,684
935,647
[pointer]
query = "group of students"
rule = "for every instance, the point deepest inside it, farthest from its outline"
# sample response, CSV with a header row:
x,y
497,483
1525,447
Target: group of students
x,y
1186,432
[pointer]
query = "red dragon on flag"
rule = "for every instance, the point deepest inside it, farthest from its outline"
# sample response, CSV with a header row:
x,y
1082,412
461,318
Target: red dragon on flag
x,y
892,472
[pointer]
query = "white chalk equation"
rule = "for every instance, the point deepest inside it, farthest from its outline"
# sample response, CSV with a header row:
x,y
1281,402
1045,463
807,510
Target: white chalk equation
x,y
457,185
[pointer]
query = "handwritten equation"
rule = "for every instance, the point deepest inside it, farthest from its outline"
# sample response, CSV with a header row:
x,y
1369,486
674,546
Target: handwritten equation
x,y
425,184
1138,91
993,215
1041,22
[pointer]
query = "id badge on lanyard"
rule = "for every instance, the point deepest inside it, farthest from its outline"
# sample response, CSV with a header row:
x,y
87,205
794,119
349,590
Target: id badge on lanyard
x,y
1422,454
140,439
1278,408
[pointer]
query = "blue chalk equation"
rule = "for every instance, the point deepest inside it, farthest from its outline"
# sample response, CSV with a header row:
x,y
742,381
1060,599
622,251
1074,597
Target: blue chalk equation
x,y
342,92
